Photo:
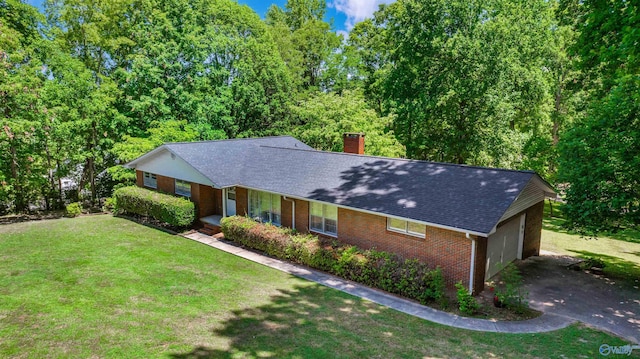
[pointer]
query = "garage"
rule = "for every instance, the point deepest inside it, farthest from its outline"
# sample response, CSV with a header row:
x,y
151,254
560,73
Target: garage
x,y
505,245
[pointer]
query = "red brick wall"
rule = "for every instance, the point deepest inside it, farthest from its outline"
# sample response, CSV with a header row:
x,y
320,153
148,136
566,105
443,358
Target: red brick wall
x,y
205,199
285,210
448,249
195,198
480,263
532,230
208,200
242,201
166,184
139,178
302,216
217,197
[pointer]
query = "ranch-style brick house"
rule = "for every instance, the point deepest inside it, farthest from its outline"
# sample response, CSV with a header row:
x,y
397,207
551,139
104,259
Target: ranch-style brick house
x,y
468,220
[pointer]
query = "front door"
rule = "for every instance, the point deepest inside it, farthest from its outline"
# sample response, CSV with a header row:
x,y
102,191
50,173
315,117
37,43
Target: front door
x,y
231,201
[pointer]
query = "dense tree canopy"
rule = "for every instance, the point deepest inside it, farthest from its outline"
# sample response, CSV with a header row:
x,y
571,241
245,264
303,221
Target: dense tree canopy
x,y
321,120
552,86
21,109
465,78
600,156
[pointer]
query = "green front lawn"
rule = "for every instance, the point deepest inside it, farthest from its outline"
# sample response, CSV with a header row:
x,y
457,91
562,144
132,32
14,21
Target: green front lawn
x,y
620,251
106,287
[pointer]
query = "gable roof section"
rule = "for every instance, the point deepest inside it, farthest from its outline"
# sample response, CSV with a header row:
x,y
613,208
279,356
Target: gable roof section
x,y
221,161
464,198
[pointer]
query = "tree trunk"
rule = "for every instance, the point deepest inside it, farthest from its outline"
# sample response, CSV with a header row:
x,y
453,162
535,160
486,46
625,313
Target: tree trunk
x,y
558,109
92,166
48,195
60,194
20,205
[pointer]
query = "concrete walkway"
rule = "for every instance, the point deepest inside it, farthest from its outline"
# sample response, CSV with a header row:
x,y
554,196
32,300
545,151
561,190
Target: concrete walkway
x,y
544,323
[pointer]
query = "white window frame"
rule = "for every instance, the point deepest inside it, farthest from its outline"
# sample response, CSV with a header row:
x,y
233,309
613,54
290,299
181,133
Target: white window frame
x,y
405,230
274,215
179,192
149,180
323,230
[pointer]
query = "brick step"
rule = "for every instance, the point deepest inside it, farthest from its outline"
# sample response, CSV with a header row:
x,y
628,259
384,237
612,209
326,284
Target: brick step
x,y
212,228
207,231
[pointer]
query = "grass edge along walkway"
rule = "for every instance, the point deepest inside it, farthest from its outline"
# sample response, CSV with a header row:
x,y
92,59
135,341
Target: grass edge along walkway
x,y
544,323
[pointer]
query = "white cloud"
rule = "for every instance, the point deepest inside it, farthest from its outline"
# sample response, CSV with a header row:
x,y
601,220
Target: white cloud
x,y
357,10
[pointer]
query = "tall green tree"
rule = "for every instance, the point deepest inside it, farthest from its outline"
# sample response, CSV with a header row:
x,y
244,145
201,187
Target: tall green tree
x,y
82,121
211,63
22,171
566,96
307,42
369,51
321,120
600,155
95,33
464,78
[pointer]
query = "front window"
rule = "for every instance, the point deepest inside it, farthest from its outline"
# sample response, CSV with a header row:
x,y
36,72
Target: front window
x,y
408,227
265,207
150,180
323,218
183,188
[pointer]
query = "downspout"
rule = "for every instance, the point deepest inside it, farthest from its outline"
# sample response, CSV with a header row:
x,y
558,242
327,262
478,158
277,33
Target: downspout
x,y
473,262
224,202
293,211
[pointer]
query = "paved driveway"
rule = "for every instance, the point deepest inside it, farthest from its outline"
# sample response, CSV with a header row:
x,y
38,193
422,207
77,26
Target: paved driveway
x,y
591,299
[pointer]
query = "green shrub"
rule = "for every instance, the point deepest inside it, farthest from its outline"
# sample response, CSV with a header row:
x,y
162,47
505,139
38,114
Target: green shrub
x,y
73,209
466,302
109,204
176,211
511,292
409,278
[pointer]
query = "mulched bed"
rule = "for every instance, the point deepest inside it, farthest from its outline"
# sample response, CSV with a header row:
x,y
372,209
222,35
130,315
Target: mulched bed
x,y
35,216
154,223
489,311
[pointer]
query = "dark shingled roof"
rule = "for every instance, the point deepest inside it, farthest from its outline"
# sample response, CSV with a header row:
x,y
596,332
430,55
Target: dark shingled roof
x,y
224,162
457,196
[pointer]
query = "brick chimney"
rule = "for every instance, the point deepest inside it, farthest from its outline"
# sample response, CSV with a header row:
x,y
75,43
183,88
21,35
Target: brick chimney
x,y
354,143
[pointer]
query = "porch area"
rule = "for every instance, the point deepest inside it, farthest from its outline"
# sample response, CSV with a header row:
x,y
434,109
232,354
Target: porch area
x,y
211,225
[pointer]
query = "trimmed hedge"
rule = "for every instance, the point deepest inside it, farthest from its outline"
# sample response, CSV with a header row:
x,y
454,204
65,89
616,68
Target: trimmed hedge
x,y
176,211
406,277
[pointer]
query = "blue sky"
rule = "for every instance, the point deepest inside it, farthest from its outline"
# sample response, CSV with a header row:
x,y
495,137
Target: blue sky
x,y
261,7
345,13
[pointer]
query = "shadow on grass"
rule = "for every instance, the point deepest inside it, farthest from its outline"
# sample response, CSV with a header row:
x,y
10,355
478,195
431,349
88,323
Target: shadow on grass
x,y
614,267
295,323
627,235
556,223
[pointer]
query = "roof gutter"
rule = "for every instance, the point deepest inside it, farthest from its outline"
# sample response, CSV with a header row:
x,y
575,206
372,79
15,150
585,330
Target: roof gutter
x,y
473,261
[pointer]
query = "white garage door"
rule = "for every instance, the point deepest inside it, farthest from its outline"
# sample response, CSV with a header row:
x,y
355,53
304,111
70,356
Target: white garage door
x,y
504,246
